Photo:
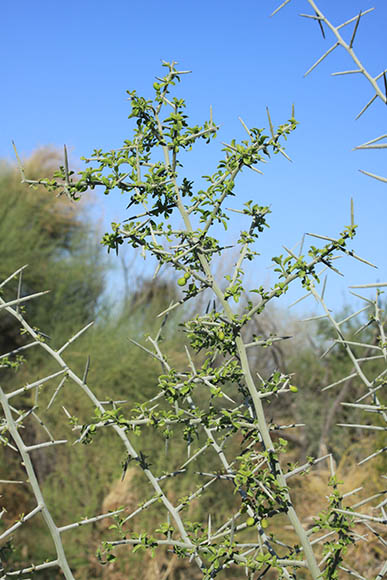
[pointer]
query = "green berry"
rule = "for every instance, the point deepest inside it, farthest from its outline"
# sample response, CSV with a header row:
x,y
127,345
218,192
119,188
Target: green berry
x,y
293,388
250,521
182,281
187,275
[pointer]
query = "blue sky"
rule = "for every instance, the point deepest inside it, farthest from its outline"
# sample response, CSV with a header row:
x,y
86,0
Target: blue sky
x,y
66,68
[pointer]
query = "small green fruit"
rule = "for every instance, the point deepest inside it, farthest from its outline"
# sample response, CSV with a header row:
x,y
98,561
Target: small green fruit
x,y
250,521
221,335
187,275
182,281
293,388
264,523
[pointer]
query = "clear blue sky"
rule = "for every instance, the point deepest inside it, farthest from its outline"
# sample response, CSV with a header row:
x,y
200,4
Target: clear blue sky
x,y
66,67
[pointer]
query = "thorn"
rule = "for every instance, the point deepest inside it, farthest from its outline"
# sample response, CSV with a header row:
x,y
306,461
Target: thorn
x,y
18,160
66,162
244,126
323,288
86,370
320,25
372,99
374,176
66,412
302,244
156,270
322,58
19,287
279,7
232,530
270,123
355,30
